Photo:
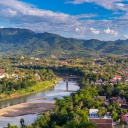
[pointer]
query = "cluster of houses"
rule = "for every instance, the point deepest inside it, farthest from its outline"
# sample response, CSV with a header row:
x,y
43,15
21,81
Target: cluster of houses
x,y
16,75
124,70
113,81
106,121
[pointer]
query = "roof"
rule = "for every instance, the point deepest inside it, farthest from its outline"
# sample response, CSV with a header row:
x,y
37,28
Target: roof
x,y
114,98
117,77
2,70
102,123
119,100
93,111
102,97
125,106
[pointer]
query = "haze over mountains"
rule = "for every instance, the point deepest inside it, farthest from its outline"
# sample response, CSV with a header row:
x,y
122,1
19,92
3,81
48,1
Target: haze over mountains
x,y
15,41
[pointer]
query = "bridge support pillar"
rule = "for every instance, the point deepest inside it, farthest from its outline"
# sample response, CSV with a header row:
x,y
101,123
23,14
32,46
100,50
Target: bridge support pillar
x,y
67,84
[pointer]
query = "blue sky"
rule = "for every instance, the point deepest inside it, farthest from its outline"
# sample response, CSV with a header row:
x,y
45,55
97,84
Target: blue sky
x,y
85,19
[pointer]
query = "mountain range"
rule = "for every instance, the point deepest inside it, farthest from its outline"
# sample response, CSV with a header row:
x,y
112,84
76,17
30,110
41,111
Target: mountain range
x,y
16,42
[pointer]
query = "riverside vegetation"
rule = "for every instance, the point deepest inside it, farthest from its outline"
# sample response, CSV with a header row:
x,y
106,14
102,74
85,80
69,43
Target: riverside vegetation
x,y
73,111
19,82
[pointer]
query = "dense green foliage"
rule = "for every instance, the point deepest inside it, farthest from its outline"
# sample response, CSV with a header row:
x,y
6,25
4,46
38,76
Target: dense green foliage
x,y
73,111
26,82
25,42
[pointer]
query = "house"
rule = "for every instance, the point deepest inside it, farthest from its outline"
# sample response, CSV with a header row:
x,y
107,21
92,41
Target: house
x,y
119,100
3,73
98,82
117,77
113,81
124,70
96,71
93,113
102,123
102,97
37,76
22,57
15,76
104,82
105,122
106,103
124,106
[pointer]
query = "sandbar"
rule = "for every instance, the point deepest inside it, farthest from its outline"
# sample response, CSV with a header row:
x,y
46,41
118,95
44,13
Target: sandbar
x,y
26,108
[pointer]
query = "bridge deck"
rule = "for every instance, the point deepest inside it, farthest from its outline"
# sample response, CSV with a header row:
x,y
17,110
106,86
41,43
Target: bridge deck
x,y
72,77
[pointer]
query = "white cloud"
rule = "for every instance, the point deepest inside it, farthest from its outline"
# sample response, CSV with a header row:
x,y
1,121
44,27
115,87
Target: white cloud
x,y
8,12
27,16
126,36
85,16
80,29
26,12
108,4
111,31
2,26
94,31
120,4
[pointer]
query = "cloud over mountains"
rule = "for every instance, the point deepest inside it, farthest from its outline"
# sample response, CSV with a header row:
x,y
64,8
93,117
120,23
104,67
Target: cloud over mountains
x,y
24,15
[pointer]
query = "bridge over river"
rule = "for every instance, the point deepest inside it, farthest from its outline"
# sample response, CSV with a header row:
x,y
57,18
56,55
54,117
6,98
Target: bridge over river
x,y
71,77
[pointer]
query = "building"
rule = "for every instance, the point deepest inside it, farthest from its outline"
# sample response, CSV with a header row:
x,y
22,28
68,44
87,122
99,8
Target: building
x,y
124,106
117,77
3,73
102,97
113,81
105,122
93,113
121,101
102,123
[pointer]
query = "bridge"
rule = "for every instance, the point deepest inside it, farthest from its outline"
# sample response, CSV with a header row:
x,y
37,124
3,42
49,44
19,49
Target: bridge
x,y
70,77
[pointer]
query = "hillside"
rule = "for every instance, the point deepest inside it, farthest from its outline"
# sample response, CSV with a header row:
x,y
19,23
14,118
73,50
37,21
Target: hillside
x,y
15,41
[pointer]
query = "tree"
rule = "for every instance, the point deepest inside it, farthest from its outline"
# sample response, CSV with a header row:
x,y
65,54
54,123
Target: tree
x,y
102,111
114,115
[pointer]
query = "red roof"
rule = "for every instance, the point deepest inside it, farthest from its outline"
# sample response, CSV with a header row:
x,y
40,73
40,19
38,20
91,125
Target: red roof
x,y
117,77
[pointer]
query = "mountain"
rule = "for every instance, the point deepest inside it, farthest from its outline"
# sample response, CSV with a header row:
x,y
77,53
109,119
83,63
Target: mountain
x,y
15,42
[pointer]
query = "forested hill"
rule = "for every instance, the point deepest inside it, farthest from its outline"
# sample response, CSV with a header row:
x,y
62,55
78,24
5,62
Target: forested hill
x,y
15,41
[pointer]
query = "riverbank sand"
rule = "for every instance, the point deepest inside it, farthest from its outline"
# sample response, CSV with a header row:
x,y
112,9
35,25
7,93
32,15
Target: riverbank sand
x,y
26,108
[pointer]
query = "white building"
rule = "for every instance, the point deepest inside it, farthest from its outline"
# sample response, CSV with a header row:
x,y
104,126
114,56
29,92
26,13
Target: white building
x,y
3,75
93,113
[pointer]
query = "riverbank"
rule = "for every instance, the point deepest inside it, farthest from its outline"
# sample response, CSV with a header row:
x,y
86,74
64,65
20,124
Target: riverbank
x,y
30,90
58,91
25,109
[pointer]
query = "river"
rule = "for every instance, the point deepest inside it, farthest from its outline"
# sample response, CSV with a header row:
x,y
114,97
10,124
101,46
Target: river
x,y
59,90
